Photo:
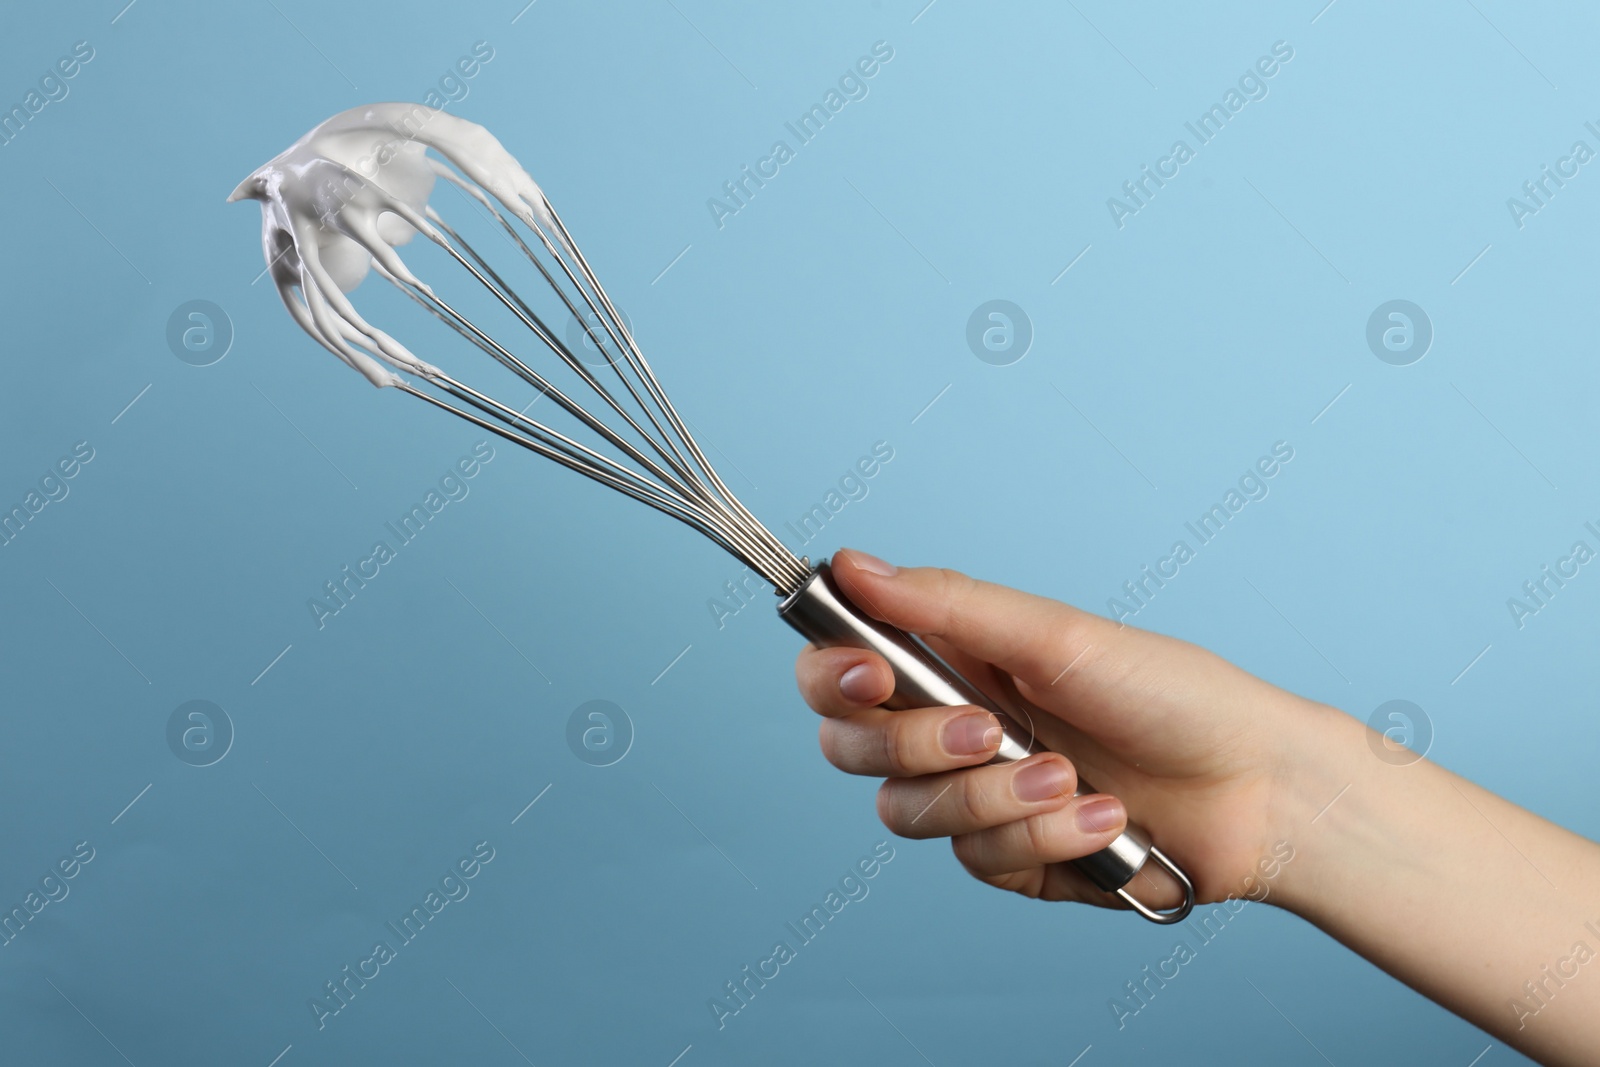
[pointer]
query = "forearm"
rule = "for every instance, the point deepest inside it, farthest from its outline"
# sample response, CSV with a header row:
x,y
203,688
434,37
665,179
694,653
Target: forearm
x,y
1478,904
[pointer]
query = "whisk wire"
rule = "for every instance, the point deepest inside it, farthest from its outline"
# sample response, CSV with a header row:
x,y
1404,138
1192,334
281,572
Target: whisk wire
x,y
319,215
665,467
662,444
678,492
636,359
686,493
528,374
661,503
509,297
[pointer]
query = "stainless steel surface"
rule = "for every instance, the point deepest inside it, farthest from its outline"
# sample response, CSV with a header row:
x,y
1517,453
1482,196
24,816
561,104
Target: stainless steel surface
x,y
822,614
639,445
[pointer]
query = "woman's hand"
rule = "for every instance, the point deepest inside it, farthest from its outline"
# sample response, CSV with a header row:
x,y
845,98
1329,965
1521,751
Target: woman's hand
x,y
1197,749
1474,902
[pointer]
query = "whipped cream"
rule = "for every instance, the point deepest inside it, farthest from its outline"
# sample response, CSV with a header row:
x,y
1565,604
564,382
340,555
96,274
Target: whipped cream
x,y
340,201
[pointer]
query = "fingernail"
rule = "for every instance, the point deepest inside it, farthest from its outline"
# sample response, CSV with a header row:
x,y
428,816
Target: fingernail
x,y
859,683
968,735
872,563
1100,814
1042,781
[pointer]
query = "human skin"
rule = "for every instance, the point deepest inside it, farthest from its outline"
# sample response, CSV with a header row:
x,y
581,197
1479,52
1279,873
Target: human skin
x,y
1455,891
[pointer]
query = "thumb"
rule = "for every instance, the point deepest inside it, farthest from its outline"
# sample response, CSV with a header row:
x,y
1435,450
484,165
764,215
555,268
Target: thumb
x,y
1032,638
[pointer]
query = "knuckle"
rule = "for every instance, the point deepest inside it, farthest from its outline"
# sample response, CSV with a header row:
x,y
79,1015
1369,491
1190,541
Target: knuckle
x,y
1074,635
1015,882
828,741
969,852
1074,642
979,858
813,690
1043,836
890,811
895,741
806,667
954,589
973,799
1035,836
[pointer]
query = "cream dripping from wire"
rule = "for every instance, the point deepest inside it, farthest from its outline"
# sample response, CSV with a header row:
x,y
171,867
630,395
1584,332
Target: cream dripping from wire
x,y
345,197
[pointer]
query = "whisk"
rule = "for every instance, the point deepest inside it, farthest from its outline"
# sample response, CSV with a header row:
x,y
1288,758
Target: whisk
x,y
347,195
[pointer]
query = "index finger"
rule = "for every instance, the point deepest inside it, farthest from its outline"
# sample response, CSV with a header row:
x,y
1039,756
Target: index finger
x,y
842,681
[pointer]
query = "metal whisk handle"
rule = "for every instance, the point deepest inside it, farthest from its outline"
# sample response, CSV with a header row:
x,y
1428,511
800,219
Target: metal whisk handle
x,y
821,613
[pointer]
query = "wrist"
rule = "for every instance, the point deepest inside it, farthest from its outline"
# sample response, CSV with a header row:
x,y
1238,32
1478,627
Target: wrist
x,y
1358,812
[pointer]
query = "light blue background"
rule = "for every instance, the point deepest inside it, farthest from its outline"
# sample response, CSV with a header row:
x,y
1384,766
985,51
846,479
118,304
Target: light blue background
x,y
1224,317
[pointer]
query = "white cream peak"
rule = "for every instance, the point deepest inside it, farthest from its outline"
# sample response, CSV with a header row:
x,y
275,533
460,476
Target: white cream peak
x,y
342,198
